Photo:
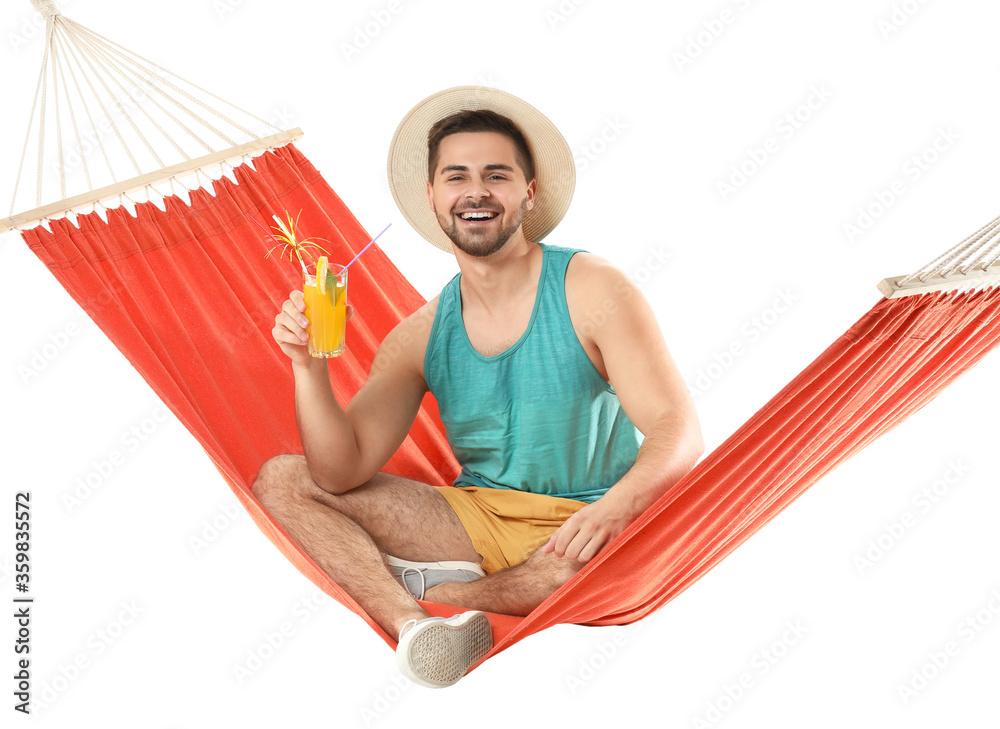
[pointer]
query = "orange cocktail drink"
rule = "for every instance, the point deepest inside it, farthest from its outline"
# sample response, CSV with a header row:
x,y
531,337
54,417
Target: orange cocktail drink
x,y
326,310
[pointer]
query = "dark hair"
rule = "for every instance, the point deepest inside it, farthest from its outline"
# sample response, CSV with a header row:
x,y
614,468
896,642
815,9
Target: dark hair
x,y
480,120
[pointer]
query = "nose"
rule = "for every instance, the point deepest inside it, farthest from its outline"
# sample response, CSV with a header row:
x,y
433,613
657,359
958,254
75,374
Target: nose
x,y
477,190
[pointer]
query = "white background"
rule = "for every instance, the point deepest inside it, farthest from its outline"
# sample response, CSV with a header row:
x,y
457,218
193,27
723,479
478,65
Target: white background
x,y
650,187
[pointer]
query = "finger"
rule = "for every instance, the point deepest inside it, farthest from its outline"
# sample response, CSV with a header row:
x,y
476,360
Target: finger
x,y
588,542
292,308
572,550
350,312
564,537
593,548
298,298
550,545
294,314
283,336
284,321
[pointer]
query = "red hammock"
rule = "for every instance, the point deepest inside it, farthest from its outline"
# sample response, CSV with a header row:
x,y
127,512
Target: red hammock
x,y
187,296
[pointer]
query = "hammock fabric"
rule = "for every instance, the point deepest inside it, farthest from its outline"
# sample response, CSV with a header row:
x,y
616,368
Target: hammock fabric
x,y
188,298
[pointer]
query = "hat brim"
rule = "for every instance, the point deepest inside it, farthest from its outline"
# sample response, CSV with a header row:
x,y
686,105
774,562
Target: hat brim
x,y
555,172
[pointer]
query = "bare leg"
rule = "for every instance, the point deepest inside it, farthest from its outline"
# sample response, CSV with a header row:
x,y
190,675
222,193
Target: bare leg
x,y
345,534
516,590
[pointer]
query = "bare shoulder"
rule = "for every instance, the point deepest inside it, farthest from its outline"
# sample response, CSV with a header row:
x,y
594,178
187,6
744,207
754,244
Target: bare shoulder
x,y
419,323
590,268
621,333
594,284
596,290
405,345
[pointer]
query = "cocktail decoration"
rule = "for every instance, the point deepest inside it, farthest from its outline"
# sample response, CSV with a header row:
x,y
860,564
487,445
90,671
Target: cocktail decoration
x,y
324,287
288,241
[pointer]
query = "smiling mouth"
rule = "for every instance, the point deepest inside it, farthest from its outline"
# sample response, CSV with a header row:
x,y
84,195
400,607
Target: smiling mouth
x,y
478,216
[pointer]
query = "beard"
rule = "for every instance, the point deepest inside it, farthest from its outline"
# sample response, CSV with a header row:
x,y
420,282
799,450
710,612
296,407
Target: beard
x,y
486,242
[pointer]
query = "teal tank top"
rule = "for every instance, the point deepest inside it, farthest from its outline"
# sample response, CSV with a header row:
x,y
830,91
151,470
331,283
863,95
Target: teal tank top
x,y
537,417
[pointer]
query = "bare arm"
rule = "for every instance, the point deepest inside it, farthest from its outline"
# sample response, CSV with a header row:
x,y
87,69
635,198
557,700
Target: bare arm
x,y
327,435
655,398
346,447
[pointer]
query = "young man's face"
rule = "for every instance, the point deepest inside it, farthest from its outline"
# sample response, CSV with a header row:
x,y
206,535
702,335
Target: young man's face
x,y
477,172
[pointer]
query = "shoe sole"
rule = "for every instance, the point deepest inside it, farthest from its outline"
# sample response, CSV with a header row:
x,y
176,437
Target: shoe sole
x,y
438,654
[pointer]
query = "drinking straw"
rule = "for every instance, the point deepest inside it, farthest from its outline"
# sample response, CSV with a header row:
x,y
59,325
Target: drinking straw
x,y
302,263
366,247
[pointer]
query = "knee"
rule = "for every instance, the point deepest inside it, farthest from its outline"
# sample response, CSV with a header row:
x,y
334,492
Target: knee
x,y
553,571
278,478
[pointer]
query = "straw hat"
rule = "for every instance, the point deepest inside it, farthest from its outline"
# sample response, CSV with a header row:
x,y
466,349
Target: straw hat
x,y
555,171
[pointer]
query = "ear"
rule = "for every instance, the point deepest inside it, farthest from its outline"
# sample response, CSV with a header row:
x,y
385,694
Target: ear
x,y
430,196
532,190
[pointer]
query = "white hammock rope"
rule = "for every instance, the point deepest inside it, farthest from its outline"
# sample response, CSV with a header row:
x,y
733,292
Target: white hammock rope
x,y
107,62
973,262
79,63
45,79
109,117
76,130
948,262
55,99
194,86
27,135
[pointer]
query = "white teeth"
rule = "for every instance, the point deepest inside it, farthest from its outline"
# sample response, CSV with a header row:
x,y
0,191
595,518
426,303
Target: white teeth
x,y
476,216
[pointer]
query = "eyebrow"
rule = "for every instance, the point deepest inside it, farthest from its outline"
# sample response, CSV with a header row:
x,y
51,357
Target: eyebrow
x,y
463,168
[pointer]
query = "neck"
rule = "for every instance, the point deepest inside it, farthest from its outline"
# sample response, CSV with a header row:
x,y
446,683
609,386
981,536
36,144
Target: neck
x,y
494,282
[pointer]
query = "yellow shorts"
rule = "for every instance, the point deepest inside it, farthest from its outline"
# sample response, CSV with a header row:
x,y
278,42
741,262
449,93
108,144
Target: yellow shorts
x,y
506,526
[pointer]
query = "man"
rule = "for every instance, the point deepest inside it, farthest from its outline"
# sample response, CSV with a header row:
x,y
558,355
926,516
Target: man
x,y
554,384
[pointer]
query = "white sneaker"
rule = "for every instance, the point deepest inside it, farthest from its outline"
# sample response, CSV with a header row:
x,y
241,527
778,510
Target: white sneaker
x,y
436,652
419,577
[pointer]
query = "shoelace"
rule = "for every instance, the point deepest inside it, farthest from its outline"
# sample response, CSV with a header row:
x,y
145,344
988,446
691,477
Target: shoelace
x,y
406,625
423,583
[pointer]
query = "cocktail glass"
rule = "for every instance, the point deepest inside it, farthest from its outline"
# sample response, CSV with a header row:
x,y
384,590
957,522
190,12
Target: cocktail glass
x,y
327,312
